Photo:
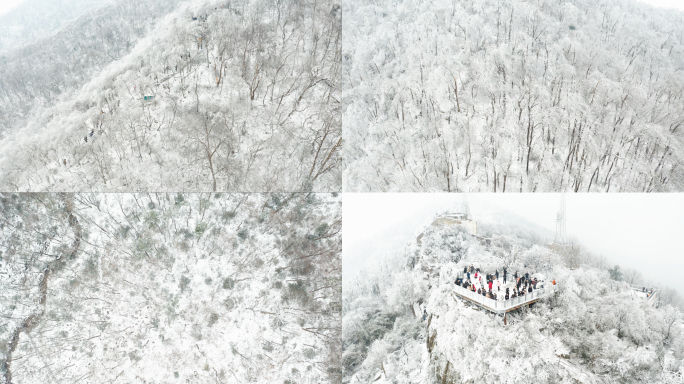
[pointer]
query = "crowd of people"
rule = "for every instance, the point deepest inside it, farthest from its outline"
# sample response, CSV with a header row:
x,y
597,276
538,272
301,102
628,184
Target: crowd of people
x,y
648,292
490,286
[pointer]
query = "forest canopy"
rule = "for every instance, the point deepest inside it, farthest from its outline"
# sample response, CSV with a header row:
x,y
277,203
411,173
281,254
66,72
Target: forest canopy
x,y
402,322
158,288
208,95
513,96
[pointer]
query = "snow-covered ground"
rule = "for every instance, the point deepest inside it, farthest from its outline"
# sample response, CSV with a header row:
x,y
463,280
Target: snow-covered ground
x,y
163,288
30,20
217,95
512,96
595,330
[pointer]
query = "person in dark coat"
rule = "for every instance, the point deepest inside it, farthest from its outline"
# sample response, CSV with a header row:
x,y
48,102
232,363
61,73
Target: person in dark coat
x,y
497,274
465,269
529,289
527,275
507,296
505,277
468,275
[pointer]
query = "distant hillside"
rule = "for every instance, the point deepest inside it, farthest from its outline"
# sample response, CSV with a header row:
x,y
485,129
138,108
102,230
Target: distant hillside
x,y
513,95
44,71
215,95
595,330
34,19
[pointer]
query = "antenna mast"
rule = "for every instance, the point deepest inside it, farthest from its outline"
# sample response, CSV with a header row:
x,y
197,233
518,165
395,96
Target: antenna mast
x,y
560,223
464,206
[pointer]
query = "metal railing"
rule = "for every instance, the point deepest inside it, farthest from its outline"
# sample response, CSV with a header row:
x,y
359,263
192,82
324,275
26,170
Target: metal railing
x,y
501,306
651,293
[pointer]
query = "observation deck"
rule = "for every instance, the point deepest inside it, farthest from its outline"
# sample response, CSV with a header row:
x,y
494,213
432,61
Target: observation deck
x,y
503,306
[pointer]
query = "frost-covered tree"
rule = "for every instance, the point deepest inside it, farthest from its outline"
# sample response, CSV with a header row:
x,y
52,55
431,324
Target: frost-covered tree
x,y
35,19
165,287
514,95
615,273
208,95
36,75
402,322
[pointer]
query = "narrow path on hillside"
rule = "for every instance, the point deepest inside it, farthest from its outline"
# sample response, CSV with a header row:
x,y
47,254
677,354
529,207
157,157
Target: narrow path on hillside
x,y
30,322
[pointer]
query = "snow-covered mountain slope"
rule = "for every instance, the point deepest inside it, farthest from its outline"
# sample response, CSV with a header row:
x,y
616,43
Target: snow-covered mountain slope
x,y
40,74
594,330
170,288
34,19
219,96
513,95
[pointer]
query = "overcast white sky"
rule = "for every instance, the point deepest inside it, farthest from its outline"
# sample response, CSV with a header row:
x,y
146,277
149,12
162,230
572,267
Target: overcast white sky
x,y
677,4
640,231
6,5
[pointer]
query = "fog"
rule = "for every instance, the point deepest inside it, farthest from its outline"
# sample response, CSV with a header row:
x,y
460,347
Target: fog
x,y
639,231
7,5
676,4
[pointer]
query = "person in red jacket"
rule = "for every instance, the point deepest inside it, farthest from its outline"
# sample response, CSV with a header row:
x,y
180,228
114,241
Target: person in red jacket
x,y
490,285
